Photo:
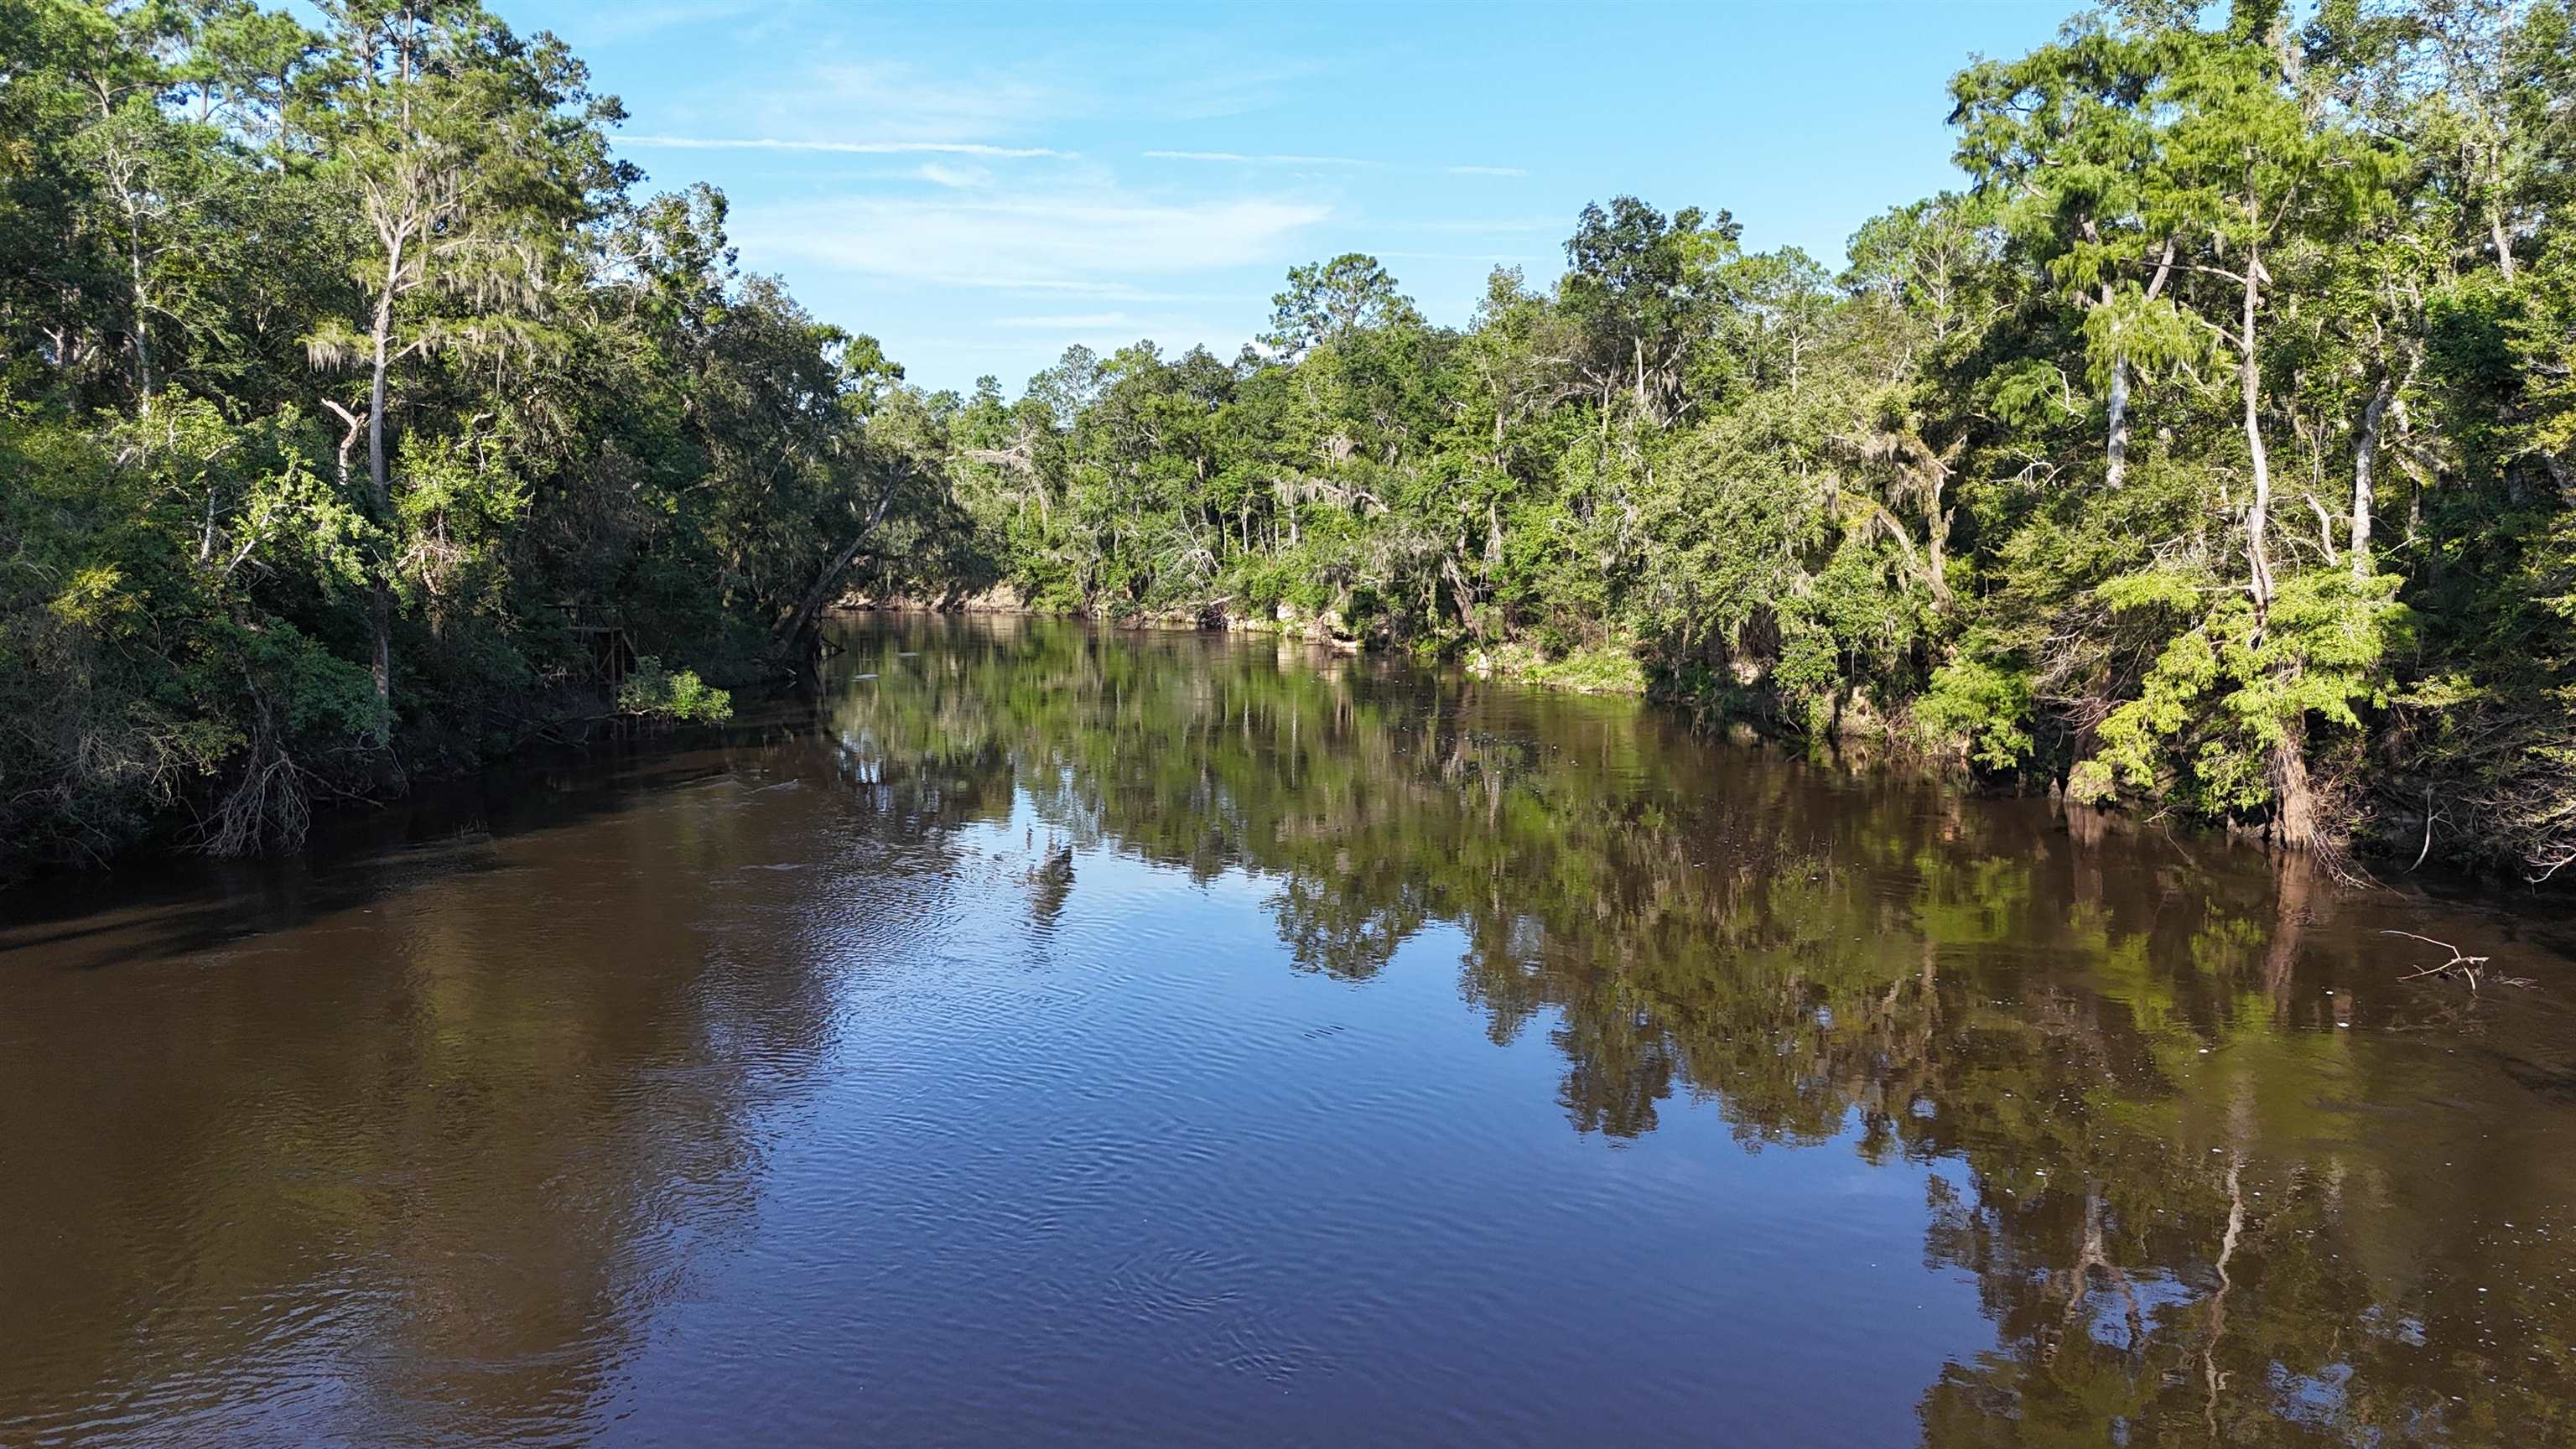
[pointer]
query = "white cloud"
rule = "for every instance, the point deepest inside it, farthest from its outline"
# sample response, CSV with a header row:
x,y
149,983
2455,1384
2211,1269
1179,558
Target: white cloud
x,y
613,24
1455,256
1173,333
1484,228
852,148
1101,291
1178,78
1069,321
917,103
1253,158
1240,158
961,178
1197,80
1076,240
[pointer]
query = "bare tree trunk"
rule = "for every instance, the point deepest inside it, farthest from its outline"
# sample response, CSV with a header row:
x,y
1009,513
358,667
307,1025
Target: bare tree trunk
x,y
380,606
2258,519
1470,614
2117,404
2117,469
142,313
792,630
2294,820
2365,459
121,173
2295,823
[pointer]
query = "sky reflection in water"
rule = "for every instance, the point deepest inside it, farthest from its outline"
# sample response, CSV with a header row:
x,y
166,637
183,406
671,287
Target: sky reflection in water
x,y
1053,1035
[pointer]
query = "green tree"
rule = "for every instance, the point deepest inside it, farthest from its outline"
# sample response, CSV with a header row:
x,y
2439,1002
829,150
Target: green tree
x,y
1326,301
467,158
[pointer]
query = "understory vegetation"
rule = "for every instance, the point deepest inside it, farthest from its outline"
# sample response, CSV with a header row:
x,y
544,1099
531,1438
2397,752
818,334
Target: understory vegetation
x,y
2206,454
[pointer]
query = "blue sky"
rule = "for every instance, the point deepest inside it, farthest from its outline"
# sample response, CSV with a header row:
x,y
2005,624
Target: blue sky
x,y
979,186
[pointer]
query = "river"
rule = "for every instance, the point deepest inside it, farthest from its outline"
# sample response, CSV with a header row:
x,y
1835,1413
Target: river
x,y
1052,1035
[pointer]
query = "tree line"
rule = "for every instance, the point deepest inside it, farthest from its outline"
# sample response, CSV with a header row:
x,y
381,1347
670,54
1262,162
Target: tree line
x,y
2205,453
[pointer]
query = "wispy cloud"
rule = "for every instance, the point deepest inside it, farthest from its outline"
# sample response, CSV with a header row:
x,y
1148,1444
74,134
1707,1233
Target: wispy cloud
x,y
1481,228
1243,159
1455,257
959,178
1173,332
614,24
917,102
850,148
1179,79
1069,287
1089,240
1356,163
1069,321
1203,80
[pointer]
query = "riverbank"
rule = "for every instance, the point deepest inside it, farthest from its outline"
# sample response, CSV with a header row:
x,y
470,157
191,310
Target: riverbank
x,y
1595,669
1855,729
273,807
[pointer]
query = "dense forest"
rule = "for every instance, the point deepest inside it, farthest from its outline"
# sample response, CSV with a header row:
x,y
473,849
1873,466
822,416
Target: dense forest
x,y
2207,453
358,420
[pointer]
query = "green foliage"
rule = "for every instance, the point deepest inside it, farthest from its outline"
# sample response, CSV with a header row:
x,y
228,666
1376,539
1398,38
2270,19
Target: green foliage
x,y
2131,736
354,418
2320,653
2221,410
2213,437
1989,706
649,689
1584,669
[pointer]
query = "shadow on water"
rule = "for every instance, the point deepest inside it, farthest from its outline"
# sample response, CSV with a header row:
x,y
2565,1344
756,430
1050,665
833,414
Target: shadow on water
x,y
358,857
405,1139
824,1032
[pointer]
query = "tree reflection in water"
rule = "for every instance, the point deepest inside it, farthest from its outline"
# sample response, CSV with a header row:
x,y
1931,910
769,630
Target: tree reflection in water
x,y
2216,1171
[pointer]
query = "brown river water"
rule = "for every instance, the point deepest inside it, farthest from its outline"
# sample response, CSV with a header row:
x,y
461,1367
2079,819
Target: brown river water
x,y
1046,1035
